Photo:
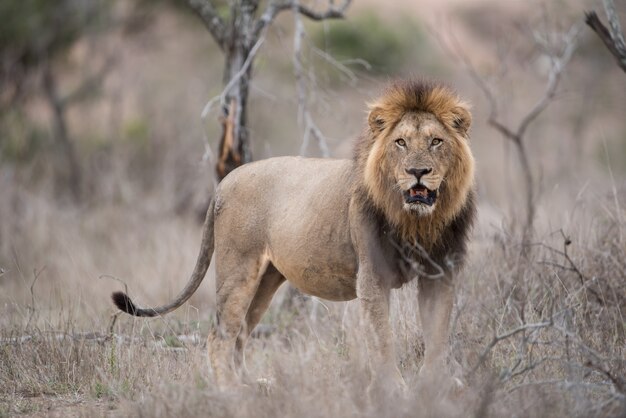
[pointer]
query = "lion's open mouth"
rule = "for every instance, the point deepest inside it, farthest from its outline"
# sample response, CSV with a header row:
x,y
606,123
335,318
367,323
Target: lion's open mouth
x,y
420,194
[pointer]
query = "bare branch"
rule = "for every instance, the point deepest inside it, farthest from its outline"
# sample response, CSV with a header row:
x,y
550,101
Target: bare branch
x,y
618,382
563,383
311,128
573,267
528,367
516,135
503,129
613,39
497,338
211,19
558,66
457,51
595,361
330,13
614,26
275,8
418,268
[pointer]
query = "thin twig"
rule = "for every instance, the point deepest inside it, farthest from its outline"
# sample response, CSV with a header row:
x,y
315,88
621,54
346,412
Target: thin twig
x,y
618,382
498,338
112,323
415,266
108,276
304,116
573,267
560,382
32,308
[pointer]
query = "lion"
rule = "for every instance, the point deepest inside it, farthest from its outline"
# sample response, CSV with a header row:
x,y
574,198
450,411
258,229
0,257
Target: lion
x,y
401,208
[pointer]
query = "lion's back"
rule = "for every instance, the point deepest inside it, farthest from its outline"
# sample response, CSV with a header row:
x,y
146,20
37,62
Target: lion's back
x,y
286,181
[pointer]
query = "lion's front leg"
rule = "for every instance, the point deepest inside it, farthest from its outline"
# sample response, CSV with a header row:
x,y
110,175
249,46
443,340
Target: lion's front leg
x,y
436,298
373,284
374,306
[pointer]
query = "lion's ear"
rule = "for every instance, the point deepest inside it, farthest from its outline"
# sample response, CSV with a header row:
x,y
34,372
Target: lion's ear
x,y
375,119
462,119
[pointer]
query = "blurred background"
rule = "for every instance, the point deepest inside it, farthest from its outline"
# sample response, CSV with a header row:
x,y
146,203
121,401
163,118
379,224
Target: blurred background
x,y
110,132
106,164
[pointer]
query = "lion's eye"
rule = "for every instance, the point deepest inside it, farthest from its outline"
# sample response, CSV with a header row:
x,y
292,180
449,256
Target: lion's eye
x,y
401,142
436,141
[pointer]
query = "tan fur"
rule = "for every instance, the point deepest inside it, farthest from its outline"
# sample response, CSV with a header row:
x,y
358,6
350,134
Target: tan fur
x,y
337,229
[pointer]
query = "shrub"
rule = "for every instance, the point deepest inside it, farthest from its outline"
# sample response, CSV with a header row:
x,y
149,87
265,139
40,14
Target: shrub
x,y
386,46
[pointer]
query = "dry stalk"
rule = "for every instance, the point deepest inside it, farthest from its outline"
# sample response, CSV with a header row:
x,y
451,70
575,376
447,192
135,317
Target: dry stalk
x,y
571,266
32,308
305,120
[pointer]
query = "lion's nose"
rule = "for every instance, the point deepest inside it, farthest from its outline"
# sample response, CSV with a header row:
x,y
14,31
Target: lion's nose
x,y
418,172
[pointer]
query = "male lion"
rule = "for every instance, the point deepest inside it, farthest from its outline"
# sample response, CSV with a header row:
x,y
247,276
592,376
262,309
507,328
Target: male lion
x,y
345,229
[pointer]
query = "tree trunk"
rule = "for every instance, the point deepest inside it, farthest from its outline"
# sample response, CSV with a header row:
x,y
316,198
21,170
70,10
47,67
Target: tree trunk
x,y
529,184
234,149
239,37
61,135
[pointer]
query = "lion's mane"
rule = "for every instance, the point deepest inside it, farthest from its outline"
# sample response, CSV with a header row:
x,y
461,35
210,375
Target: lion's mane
x,y
454,213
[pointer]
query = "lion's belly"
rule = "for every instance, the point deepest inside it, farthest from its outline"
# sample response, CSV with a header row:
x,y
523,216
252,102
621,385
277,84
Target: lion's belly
x,y
327,279
317,256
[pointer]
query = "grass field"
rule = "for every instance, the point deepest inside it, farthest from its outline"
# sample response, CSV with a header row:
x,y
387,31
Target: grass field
x,y
538,336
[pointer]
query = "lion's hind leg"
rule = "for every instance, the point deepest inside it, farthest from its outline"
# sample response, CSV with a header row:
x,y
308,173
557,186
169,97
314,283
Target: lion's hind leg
x,y
270,282
237,281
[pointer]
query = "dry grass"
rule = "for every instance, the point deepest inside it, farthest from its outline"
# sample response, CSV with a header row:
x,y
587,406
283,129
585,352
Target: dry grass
x,y
542,334
563,310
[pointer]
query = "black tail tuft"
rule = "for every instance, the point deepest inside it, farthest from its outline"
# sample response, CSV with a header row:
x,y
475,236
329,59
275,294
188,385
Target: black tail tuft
x,y
123,302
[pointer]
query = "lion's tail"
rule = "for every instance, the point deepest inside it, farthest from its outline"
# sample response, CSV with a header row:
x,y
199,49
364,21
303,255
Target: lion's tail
x,y
124,303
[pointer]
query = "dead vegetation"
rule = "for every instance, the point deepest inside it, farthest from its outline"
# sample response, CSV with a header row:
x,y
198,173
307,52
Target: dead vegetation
x,y
546,338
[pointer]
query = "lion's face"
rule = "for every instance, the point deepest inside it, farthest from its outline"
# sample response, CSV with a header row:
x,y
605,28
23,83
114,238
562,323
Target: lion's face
x,y
416,162
418,151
